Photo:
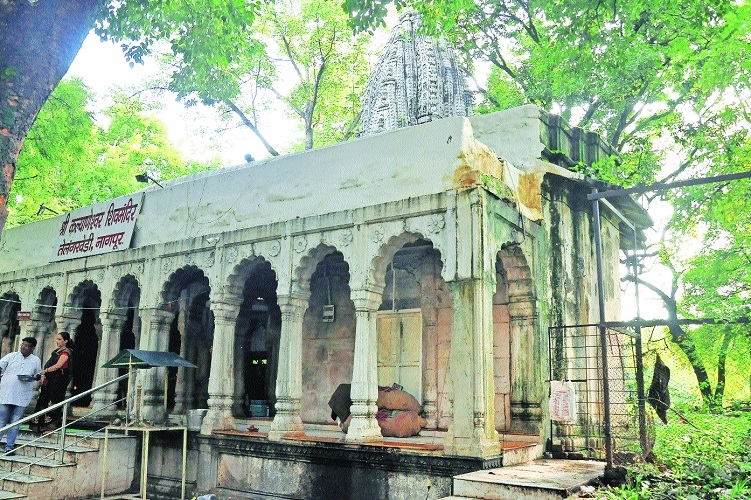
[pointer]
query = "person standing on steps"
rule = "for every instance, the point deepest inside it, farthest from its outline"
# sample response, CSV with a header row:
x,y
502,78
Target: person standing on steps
x,y
19,371
55,378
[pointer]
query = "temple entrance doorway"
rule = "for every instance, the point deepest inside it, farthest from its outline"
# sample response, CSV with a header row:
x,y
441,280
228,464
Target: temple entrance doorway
x,y
189,333
191,336
413,325
87,300
258,333
10,304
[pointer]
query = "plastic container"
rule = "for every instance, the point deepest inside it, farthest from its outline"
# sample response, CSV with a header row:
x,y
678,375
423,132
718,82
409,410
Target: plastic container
x,y
259,408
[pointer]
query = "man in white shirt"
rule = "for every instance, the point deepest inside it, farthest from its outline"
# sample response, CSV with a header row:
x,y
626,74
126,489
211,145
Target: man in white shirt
x,y
19,370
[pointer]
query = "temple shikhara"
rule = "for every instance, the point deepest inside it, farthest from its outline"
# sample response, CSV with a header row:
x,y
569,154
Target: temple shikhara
x,y
426,259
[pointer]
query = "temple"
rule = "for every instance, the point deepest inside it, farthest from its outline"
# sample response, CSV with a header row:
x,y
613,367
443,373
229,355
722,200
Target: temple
x,y
434,256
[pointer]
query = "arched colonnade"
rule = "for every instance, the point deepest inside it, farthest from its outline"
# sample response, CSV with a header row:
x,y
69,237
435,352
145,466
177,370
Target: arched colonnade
x,y
277,323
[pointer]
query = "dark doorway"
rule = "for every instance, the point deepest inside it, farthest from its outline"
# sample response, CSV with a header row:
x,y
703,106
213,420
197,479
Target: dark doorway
x,y
175,343
127,341
85,353
10,304
259,325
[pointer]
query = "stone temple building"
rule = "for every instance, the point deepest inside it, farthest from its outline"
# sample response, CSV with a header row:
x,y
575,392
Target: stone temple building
x,y
434,256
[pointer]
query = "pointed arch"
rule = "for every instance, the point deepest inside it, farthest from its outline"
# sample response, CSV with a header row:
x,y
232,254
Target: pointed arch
x,y
10,304
190,334
414,323
82,310
515,344
307,266
257,333
328,331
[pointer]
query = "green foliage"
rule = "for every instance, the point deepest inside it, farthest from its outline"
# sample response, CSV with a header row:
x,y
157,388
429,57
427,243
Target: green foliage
x,y
366,15
69,162
718,281
313,48
502,92
703,456
637,72
58,144
208,40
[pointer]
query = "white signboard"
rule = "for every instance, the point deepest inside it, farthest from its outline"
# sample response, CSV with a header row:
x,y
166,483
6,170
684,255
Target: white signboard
x,y
101,228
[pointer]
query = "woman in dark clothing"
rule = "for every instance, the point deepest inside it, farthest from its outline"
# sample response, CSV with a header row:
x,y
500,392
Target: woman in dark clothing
x,y
55,378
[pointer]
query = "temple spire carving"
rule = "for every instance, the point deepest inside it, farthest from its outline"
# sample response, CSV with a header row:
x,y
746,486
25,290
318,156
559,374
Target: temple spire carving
x,y
417,79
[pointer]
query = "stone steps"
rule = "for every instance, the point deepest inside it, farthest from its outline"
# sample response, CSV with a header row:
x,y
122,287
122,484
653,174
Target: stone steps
x,y
26,485
519,452
540,480
35,473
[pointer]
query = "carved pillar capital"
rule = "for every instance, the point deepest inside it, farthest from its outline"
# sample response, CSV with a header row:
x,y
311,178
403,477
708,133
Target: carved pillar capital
x,y
292,308
366,300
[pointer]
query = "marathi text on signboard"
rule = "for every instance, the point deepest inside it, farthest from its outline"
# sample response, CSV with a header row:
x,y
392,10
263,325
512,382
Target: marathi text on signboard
x,y
101,228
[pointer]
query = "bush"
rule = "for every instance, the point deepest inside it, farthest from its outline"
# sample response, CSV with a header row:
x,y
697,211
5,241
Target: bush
x,y
701,455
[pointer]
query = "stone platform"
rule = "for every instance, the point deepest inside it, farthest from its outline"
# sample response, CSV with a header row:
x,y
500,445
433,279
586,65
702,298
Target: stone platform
x,y
541,480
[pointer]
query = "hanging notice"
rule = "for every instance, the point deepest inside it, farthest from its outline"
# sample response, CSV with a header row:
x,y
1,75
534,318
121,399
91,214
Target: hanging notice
x,y
101,228
562,401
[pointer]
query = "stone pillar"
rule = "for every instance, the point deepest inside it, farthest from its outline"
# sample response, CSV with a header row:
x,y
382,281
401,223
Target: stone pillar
x,y
221,378
151,380
526,370
112,324
364,393
472,432
238,404
430,342
287,420
185,377
66,323
38,329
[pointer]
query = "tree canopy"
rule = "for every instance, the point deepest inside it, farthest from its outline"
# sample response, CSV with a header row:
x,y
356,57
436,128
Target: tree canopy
x,y
40,39
69,161
667,84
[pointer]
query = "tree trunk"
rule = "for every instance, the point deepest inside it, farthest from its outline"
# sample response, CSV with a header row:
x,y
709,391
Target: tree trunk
x,y
38,42
684,341
686,344
719,392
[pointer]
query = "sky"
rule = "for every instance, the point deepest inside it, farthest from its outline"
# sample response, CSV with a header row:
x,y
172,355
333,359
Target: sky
x,y
199,132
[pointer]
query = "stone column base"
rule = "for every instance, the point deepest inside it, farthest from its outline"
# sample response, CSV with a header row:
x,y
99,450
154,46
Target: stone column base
x,y
217,419
363,429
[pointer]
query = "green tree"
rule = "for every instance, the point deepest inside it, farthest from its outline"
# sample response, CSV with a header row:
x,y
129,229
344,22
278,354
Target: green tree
x,y
717,279
664,82
72,162
328,64
307,58
39,40
62,140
